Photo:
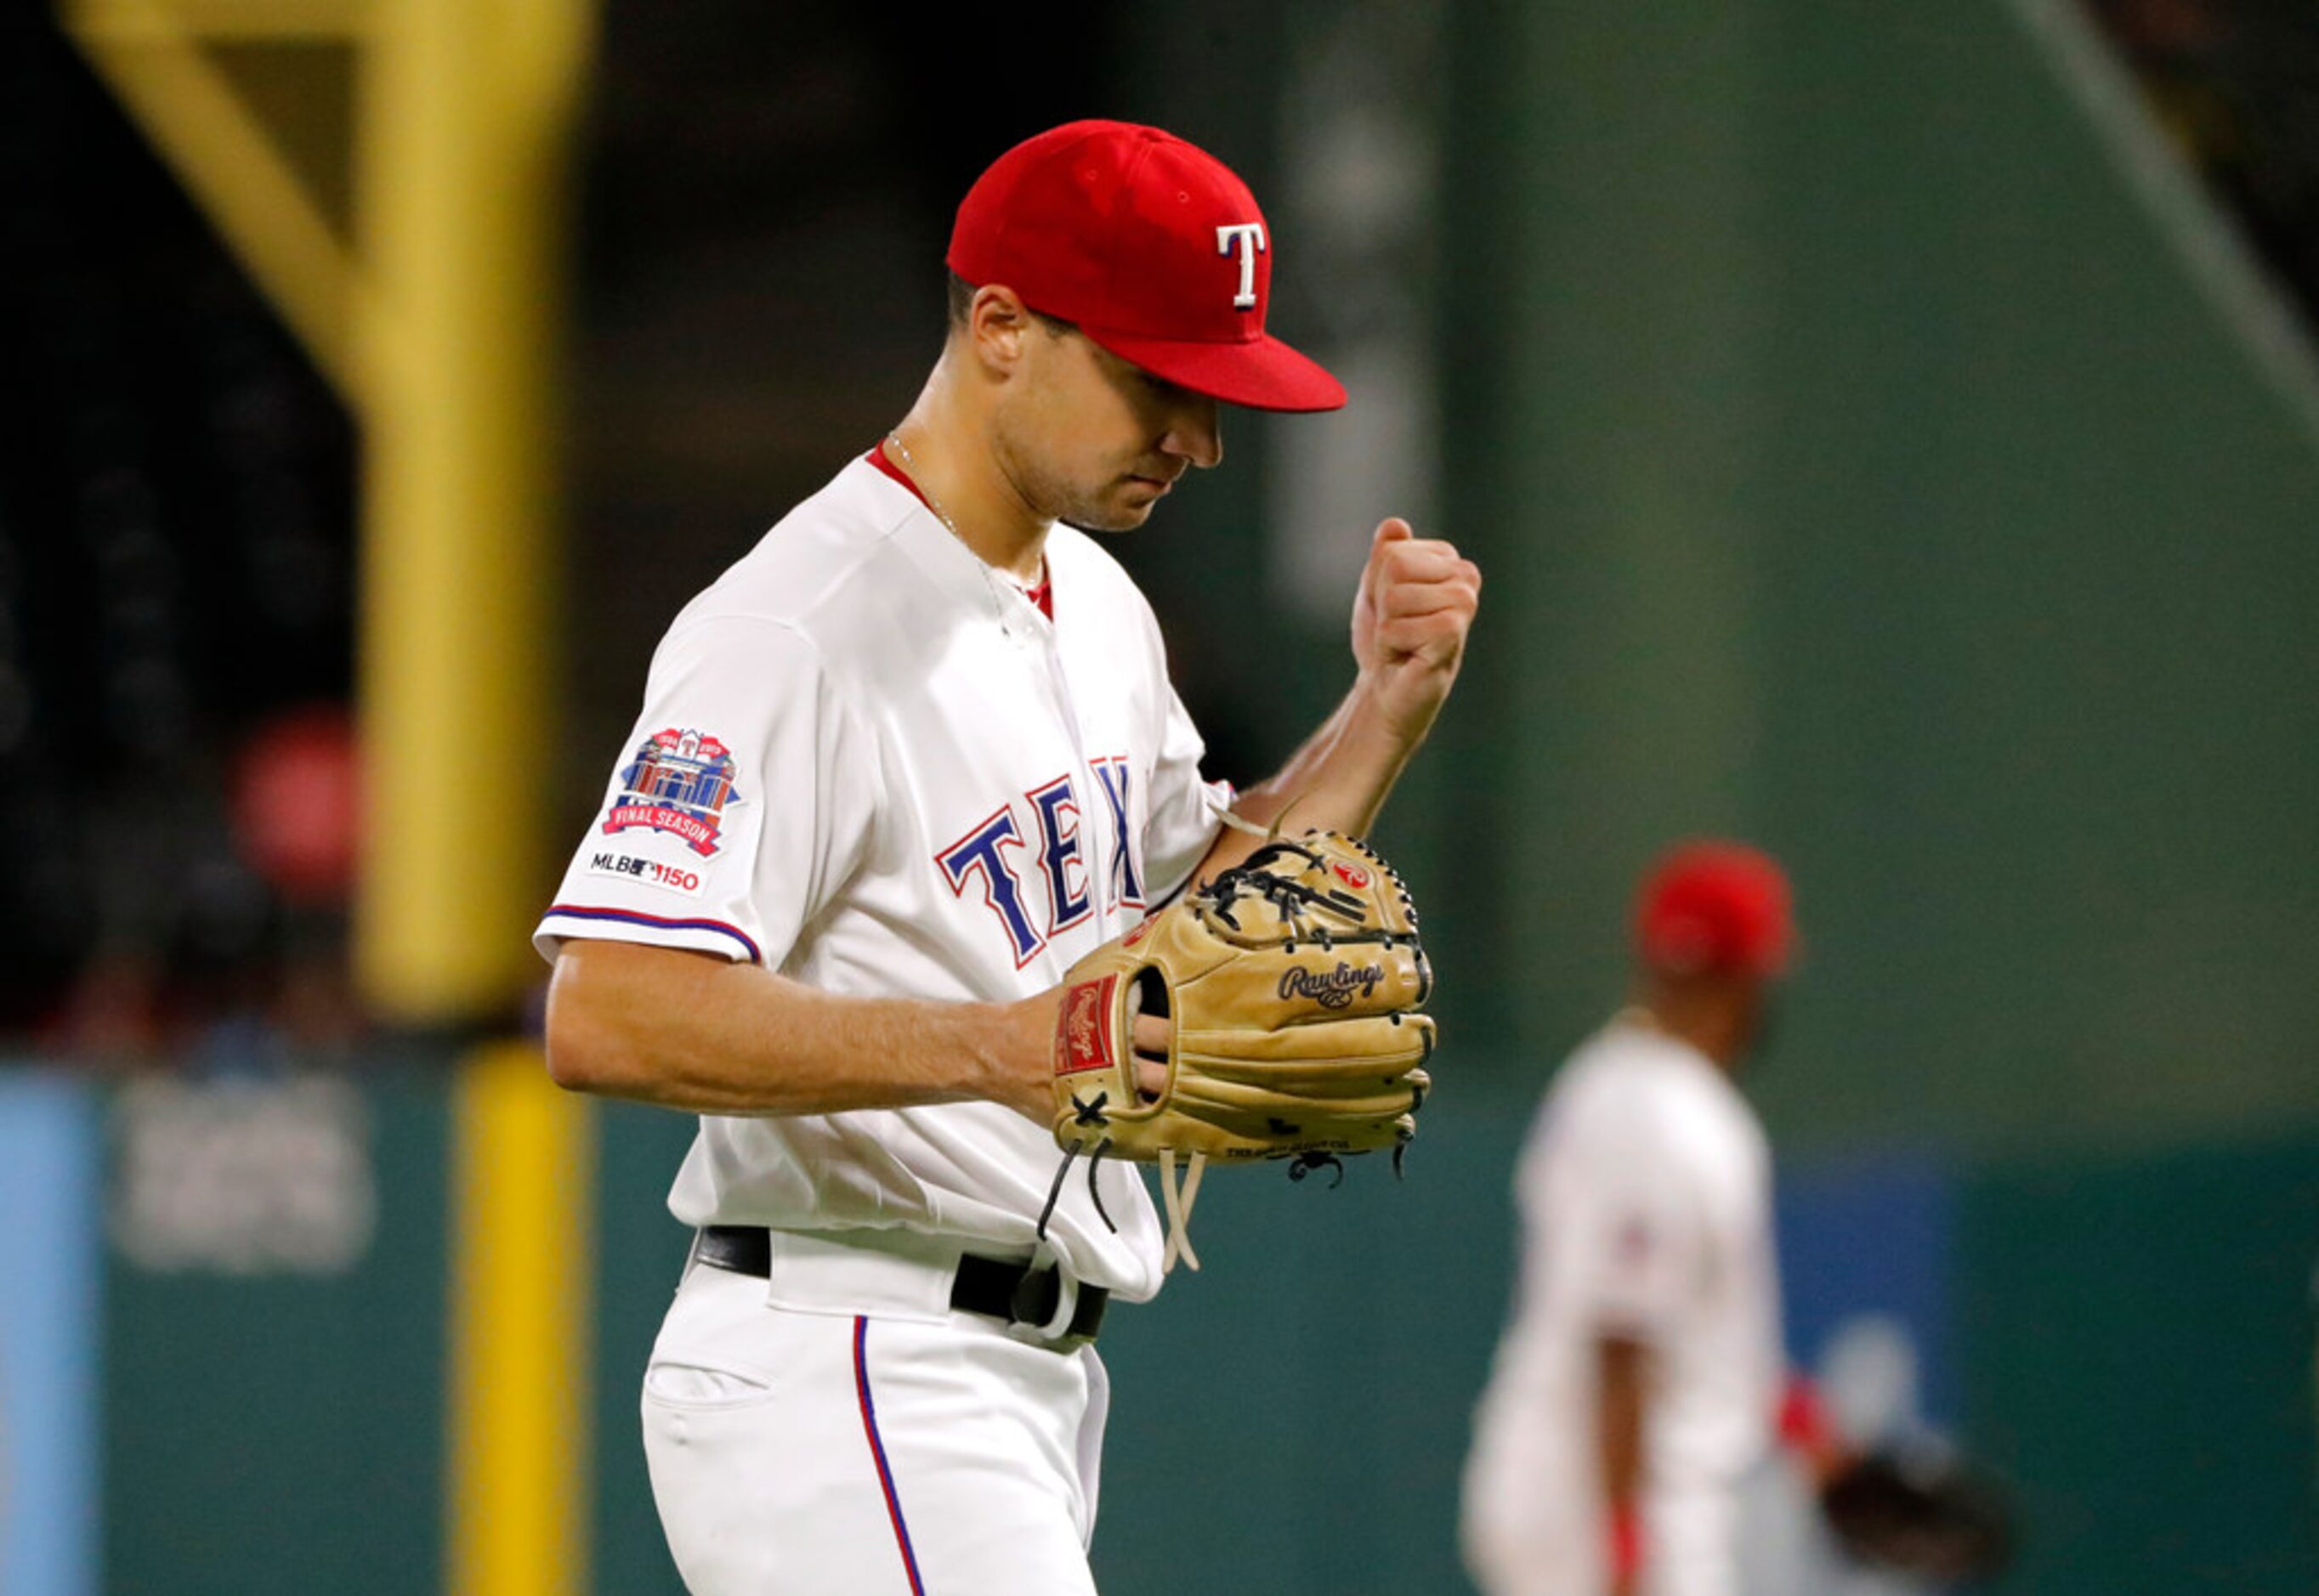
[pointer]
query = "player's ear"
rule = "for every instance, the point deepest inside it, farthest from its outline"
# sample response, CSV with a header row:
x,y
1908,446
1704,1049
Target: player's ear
x,y
997,326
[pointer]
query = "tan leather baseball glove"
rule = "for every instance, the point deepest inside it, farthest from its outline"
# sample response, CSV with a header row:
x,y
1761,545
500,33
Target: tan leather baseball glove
x,y
1291,984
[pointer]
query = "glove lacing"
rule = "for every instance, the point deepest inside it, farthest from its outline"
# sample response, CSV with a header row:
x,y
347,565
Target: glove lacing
x,y
1177,1201
1179,1206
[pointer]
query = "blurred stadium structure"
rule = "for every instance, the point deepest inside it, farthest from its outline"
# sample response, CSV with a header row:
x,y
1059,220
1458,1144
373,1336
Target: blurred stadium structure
x,y
2235,84
1891,437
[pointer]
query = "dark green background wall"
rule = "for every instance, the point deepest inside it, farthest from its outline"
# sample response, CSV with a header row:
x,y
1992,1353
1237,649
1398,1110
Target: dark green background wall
x,y
2137,1338
267,1430
1858,462
2128,1337
1858,465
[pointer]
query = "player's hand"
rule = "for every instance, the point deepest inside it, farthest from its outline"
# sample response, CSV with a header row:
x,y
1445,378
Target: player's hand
x,y
1416,602
1029,1048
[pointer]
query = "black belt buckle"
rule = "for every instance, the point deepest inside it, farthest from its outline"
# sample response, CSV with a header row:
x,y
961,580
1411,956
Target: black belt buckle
x,y
1061,1312
1036,1296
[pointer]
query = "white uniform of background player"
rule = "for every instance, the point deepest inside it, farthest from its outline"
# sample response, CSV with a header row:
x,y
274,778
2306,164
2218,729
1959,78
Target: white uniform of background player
x,y
1643,1191
871,762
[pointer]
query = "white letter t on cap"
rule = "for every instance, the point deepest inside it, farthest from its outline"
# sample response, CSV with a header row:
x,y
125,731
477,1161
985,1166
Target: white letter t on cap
x,y
1253,233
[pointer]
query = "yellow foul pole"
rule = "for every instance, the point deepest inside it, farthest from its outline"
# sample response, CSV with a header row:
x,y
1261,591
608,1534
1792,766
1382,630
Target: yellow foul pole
x,y
522,1177
438,326
467,111
468,108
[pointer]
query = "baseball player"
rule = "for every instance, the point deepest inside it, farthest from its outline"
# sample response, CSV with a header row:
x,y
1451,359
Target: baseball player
x,y
896,770
1641,1372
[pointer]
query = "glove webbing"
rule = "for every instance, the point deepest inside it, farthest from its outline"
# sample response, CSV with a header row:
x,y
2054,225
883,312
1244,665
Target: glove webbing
x,y
1249,879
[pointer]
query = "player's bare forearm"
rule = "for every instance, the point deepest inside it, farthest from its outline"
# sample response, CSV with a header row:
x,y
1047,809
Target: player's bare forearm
x,y
693,1032
1622,1383
1338,780
1416,603
1622,1386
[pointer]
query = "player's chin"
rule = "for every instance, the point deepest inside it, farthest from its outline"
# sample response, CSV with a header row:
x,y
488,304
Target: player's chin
x,y
1122,510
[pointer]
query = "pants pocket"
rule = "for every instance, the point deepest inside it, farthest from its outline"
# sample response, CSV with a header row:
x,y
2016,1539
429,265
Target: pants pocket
x,y
698,1385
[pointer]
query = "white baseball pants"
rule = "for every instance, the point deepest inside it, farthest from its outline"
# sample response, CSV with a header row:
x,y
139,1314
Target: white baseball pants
x,y
838,1430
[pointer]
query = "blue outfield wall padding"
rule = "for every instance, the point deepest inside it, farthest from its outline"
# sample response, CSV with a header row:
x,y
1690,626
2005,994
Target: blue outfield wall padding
x,y
1870,1233
51,1278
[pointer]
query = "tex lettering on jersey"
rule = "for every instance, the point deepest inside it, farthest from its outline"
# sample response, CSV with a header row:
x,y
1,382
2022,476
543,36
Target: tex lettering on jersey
x,y
1113,777
1057,809
1051,819
680,781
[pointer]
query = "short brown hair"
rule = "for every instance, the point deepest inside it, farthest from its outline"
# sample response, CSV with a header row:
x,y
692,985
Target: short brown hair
x,y
962,307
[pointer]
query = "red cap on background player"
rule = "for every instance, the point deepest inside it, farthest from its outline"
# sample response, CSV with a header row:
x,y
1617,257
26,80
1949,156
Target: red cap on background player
x,y
1714,906
1151,246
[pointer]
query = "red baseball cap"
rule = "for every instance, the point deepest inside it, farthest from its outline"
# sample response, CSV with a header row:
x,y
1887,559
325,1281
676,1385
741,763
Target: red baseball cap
x,y
1715,905
1151,246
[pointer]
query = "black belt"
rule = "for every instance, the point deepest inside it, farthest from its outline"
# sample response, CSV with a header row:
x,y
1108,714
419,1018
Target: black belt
x,y
1012,1292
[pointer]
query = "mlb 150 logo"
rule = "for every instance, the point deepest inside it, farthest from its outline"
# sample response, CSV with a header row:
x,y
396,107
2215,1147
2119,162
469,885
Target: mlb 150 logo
x,y
652,872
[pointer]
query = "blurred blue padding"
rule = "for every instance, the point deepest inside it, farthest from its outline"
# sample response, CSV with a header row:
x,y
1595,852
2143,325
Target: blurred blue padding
x,y
51,1256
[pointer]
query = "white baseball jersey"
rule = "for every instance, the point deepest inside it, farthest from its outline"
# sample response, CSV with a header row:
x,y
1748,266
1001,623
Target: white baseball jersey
x,y
1645,1194
869,762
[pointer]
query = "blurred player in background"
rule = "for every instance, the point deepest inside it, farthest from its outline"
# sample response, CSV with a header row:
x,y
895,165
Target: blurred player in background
x,y
1642,1373
897,771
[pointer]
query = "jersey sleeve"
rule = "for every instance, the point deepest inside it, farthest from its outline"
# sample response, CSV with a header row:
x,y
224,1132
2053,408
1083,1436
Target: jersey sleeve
x,y
1622,1229
741,801
1186,811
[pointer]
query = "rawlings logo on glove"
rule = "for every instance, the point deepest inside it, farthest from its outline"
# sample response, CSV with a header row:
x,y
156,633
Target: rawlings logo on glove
x,y
1291,984
1080,1034
1334,990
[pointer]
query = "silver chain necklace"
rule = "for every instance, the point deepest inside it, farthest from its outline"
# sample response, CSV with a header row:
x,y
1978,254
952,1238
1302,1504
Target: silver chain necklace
x,y
989,573
924,493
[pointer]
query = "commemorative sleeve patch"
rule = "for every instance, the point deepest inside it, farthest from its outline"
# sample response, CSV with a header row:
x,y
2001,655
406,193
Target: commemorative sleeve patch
x,y
680,781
